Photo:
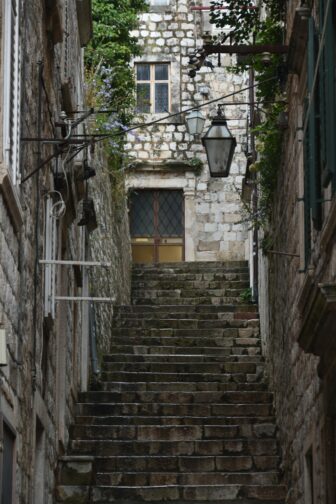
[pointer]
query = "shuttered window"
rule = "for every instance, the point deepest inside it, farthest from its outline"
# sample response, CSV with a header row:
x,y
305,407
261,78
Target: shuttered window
x,y
319,139
11,126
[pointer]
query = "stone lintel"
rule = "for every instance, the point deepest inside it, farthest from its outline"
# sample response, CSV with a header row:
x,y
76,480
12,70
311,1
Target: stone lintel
x,y
162,166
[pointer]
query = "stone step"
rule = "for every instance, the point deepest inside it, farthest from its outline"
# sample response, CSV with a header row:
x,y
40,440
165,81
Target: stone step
x,y
174,300
157,350
231,377
137,340
231,397
184,478
172,432
188,464
173,409
186,283
190,265
180,358
181,387
174,420
186,309
212,494
233,332
184,367
186,293
179,323
177,447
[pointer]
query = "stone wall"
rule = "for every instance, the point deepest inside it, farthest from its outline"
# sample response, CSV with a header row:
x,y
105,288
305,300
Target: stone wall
x,y
161,156
47,356
301,403
110,242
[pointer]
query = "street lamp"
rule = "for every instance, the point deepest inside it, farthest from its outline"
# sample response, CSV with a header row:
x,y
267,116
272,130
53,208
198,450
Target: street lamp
x,y
195,122
219,145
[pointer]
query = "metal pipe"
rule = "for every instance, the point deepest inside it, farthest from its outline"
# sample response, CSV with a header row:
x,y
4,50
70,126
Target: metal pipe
x,y
85,298
75,263
93,340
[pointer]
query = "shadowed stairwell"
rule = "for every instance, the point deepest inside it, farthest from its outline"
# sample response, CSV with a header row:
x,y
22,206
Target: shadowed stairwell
x,y
184,413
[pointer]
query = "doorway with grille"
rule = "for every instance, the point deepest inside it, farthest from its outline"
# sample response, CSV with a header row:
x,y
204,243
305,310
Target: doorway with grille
x,y
157,225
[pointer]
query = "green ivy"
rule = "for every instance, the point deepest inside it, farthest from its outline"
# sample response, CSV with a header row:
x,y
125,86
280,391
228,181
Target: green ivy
x,y
244,25
109,54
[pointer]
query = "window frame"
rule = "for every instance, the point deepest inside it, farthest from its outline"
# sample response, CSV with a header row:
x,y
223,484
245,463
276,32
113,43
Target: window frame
x,y
12,90
152,82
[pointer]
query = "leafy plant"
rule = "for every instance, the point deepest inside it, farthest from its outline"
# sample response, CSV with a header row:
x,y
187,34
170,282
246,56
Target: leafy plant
x,y
196,164
246,295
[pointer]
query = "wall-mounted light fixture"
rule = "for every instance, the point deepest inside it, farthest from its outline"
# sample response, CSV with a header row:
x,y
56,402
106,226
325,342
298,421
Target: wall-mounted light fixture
x,y
195,122
219,145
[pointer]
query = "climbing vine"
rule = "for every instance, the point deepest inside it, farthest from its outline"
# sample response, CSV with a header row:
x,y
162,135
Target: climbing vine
x,y
244,23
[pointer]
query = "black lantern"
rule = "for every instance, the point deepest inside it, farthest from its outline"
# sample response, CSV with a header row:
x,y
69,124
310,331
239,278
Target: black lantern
x,y
219,145
195,122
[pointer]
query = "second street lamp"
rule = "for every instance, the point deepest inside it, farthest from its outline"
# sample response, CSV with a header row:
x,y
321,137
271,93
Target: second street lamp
x,y
195,122
219,145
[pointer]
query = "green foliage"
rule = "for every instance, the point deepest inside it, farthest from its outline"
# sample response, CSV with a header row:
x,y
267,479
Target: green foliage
x,y
246,295
197,165
244,24
109,53
242,20
269,147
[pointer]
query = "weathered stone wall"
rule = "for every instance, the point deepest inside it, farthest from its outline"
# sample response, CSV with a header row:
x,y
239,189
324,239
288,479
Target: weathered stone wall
x,y
300,403
212,206
47,358
110,243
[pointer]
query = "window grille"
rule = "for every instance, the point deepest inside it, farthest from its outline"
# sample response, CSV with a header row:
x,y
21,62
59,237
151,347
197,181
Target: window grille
x,y
153,87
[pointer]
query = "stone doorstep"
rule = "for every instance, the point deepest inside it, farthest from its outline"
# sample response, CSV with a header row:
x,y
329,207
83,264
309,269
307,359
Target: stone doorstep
x,y
75,469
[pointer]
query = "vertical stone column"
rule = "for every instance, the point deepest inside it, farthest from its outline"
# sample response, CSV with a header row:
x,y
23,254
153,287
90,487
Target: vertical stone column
x,y
190,222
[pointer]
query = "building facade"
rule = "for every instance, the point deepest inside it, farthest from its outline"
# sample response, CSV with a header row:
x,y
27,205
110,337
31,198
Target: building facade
x,y
297,279
177,211
46,216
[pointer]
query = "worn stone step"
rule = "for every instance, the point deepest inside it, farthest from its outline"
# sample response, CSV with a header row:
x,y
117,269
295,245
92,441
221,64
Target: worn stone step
x,y
184,311
192,358
229,397
174,300
160,350
188,464
172,409
175,420
186,293
183,478
144,310
190,492
187,283
182,387
156,432
189,265
178,323
187,341
228,331
231,377
180,358
185,367
176,447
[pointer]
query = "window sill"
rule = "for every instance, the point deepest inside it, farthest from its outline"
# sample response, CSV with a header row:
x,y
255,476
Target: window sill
x,y
329,226
11,198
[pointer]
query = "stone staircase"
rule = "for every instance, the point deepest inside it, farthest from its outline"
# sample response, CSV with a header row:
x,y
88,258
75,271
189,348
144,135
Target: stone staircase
x,y
184,413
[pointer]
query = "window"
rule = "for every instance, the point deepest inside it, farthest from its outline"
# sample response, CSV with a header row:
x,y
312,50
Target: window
x,y
11,95
153,88
319,143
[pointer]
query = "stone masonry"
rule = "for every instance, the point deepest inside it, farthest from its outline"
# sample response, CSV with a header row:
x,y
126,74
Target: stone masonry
x,y
183,412
161,156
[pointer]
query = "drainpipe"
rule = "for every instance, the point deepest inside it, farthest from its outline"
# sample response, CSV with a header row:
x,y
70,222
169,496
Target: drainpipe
x,y
255,248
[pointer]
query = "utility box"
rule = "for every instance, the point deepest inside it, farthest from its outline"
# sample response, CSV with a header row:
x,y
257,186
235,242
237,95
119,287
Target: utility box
x,y
3,348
